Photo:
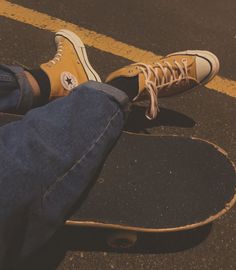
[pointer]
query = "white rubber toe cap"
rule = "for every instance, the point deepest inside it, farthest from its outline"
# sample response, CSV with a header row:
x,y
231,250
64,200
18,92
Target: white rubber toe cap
x,y
207,64
203,69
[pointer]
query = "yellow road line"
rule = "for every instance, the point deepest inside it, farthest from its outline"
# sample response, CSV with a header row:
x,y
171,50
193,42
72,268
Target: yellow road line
x,y
90,38
98,41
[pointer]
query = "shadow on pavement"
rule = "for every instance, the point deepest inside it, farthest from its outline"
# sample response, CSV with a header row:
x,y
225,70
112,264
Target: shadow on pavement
x,y
91,239
137,122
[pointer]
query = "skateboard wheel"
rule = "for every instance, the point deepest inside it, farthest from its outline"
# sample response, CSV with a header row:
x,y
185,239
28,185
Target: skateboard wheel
x,y
122,239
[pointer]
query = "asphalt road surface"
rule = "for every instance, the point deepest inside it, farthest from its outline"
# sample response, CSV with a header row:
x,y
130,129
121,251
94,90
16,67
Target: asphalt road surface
x,y
160,26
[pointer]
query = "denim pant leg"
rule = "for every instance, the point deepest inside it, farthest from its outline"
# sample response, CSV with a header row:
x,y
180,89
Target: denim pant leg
x,y
48,159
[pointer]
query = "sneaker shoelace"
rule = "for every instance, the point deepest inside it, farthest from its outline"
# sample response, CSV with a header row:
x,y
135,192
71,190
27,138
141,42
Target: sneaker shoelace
x,y
155,81
58,54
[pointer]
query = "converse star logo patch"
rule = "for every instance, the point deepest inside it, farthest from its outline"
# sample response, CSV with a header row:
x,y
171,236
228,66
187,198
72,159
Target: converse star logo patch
x,y
68,81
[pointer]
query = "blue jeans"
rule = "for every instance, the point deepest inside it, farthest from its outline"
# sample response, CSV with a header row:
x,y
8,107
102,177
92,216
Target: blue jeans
x,y
48,159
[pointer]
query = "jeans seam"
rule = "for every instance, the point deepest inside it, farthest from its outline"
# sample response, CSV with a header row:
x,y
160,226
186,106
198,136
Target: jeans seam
x,y
61,178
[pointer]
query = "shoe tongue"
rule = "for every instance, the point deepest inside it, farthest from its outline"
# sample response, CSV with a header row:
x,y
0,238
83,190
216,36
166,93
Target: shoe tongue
x,y
127,84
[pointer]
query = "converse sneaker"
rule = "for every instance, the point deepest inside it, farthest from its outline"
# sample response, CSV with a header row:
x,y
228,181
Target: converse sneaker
x,y
70,66
175,73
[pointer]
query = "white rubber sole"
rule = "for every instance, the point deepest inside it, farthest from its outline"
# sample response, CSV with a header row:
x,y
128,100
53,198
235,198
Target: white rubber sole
x,y
81,52
210,57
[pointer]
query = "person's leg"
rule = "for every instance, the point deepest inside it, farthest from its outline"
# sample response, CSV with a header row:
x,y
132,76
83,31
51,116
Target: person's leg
x,y
48,159
51,156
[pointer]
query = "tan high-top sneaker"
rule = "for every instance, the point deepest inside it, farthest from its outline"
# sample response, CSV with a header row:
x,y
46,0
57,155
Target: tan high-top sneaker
x,y
70,66
175,73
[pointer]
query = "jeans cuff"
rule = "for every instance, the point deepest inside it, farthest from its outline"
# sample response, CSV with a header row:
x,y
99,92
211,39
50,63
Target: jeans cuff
x,y
113,92
25,101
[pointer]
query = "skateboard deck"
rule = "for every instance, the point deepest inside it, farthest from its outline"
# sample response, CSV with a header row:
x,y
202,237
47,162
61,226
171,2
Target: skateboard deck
x,y
159,184
155,184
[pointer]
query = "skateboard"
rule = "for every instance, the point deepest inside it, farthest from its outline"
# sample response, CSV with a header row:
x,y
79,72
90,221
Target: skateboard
x,y
157,184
